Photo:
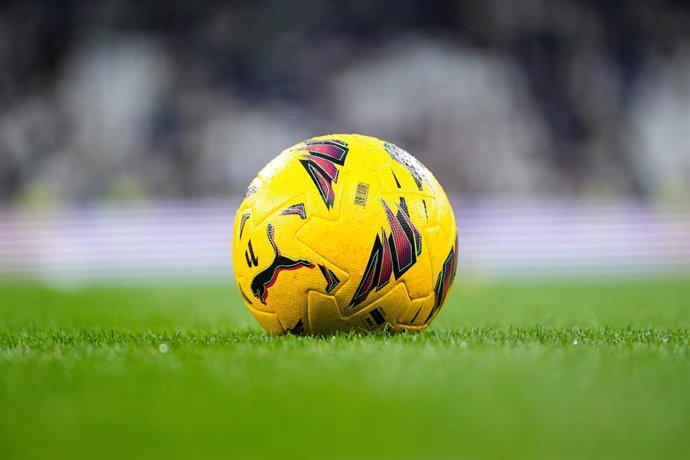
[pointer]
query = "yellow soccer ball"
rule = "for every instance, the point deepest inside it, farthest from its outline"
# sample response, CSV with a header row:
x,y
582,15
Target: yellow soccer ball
x,y
343,233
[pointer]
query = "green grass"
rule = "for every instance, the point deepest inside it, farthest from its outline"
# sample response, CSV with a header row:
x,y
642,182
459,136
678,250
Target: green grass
x,y
527,370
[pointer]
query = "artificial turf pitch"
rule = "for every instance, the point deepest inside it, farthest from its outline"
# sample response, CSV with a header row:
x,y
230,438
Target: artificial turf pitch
x,y
596,369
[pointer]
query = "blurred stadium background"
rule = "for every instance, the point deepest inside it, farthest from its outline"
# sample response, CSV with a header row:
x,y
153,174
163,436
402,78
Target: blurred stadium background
x,y
129,130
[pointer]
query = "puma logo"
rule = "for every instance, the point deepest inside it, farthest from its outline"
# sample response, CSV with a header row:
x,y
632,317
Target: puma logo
x,y
266,278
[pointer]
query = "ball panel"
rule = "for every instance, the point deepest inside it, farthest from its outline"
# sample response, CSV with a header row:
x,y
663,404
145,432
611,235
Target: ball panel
x,y
417,312
324,314
446,216
382,313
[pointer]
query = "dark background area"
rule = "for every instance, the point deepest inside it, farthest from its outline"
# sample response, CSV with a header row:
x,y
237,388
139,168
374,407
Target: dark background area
x,y
120,100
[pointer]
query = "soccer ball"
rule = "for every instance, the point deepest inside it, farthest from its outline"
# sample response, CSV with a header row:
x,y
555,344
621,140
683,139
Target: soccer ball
x,y
343,233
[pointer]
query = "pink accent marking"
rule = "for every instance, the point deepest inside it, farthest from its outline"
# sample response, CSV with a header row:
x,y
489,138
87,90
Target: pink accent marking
x,y
327,166
402,244
417,235
325,185
386,264
447,278
371,278
326,149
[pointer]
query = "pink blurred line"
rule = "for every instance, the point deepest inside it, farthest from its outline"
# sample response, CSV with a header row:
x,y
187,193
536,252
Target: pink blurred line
x,y
557,236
